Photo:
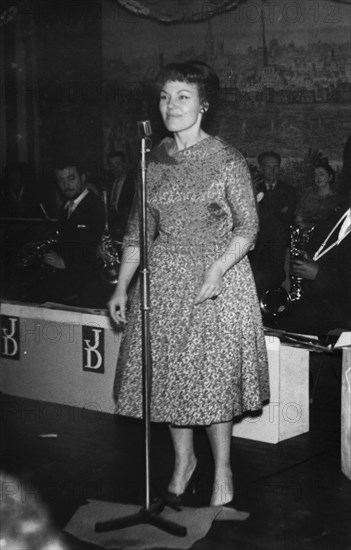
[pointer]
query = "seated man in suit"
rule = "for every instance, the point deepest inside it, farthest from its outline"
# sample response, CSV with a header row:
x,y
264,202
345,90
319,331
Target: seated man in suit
x,y
276,214
325,303
75,269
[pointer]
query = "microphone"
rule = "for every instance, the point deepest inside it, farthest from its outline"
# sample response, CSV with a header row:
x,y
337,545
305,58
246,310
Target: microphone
x,y
144,128
144,131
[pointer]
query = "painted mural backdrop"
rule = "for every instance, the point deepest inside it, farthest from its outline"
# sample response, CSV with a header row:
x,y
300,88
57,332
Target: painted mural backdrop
x,y
285,69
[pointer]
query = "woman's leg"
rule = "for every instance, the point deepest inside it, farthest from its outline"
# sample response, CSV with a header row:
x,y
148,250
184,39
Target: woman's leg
x,y
220,436
185,460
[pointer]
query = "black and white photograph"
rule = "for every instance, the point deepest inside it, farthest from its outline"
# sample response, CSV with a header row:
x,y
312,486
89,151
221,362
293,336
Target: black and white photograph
x,y
175,274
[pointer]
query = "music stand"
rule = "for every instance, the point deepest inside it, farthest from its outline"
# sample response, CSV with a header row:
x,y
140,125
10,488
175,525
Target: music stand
x,y
149,514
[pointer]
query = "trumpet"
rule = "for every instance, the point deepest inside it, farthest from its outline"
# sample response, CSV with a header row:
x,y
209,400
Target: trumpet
x,y
108,249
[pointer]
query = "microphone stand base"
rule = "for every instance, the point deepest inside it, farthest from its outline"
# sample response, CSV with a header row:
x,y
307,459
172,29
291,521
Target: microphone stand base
x,y
144,516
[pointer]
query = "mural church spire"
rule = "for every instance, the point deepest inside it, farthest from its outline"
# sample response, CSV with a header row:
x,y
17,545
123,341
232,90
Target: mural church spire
x,y
263,38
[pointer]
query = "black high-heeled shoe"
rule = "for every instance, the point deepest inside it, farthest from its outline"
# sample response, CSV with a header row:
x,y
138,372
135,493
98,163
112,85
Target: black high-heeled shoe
x,y
176,501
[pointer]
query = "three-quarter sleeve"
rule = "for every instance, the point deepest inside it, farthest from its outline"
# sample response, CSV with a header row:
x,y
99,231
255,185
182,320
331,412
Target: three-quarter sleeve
x,y
241,198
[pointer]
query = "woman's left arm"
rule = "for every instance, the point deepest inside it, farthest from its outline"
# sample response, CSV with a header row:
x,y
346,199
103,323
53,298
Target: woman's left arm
x,y
241,200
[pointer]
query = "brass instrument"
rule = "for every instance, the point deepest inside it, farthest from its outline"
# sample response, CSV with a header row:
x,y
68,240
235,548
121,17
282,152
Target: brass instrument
x,y
108,249
298,240
34,251
276,301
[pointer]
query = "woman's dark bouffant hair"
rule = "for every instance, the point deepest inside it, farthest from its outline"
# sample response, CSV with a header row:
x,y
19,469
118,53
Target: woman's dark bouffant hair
x,y
193,72
324,163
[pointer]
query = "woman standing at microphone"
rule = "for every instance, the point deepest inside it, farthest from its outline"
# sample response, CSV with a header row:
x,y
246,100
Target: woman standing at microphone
x,y
209,359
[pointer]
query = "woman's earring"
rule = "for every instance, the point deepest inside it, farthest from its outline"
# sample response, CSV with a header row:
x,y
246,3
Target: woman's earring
x,y
202,110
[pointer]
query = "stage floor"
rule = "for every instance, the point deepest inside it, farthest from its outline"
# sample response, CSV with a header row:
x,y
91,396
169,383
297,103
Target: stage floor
x,y
294,490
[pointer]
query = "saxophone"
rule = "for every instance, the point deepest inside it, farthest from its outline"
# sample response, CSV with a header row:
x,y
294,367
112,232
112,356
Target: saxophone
x,y
34,251
108,249
276,301
298,240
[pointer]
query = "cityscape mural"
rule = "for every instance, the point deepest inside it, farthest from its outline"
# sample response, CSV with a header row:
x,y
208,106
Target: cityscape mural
x,y
285,70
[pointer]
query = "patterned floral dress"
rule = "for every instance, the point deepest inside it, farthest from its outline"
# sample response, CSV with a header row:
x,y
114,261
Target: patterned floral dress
x,y
209,361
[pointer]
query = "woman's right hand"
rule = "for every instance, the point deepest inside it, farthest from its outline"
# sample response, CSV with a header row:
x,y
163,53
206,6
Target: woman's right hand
x,y
117,306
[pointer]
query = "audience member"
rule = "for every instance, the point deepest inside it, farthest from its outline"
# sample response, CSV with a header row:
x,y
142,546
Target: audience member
x,y
318,200
25,521
121,189
276,212
326,279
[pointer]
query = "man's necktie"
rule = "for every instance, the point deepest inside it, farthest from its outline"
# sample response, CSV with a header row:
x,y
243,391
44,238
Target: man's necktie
x,y
70,207
269,191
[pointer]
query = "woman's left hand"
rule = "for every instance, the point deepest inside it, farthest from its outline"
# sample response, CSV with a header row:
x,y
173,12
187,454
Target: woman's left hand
x,y
307,269
212,284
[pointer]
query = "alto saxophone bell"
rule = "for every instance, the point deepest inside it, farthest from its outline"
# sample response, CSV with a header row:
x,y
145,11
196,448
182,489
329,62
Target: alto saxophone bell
x,y
275,301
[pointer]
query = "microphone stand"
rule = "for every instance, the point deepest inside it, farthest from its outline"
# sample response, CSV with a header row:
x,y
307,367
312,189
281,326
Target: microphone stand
x,y
149,514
